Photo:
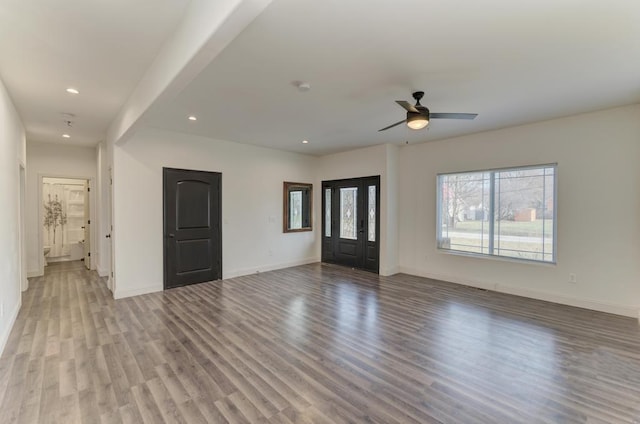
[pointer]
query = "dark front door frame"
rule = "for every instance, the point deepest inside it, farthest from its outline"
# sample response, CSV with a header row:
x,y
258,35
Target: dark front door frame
x,y
172,235
367,254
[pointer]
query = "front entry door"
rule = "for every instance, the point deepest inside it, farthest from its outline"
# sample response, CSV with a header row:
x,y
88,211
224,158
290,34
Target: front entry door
x,y
192,227
351,222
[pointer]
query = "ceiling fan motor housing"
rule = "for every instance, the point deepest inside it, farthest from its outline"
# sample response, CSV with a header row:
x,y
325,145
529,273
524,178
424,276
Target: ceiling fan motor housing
x,y
423,111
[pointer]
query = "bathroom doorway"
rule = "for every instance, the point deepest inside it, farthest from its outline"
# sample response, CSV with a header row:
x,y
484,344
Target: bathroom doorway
x,y
66,220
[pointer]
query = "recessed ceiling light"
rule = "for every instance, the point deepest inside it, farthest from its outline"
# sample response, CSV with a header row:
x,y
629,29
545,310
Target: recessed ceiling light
x,y
66,136
305,141
192,118
72,91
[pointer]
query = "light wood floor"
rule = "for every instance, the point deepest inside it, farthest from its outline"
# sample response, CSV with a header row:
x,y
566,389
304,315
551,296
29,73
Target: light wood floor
x,y
315,343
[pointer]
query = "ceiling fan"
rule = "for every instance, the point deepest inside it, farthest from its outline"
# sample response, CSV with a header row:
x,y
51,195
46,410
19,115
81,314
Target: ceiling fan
x,y
418,116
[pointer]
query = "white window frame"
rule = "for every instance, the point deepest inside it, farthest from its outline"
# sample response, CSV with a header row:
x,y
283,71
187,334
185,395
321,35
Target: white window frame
x,y
492,196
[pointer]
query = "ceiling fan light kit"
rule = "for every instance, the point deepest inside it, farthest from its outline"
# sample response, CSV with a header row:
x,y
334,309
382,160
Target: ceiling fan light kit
x,y
418,116
417,121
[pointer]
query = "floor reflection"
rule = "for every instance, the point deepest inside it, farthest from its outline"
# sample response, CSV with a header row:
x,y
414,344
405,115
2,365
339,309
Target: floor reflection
x,y
356,314
296,320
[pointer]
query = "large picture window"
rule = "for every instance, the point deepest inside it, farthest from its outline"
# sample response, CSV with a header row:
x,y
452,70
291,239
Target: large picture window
x,y
499,212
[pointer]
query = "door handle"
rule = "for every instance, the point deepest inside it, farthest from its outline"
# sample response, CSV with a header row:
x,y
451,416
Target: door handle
x,y
172,235
107,236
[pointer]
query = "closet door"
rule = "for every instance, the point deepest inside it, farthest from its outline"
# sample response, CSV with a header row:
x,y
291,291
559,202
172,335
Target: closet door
x,y
192,227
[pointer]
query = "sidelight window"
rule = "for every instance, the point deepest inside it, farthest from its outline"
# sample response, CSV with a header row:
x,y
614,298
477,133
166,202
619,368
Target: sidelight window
x,y
327,212
371,215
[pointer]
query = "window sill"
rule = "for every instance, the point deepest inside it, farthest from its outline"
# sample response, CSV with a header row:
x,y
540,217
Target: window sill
x,y
495,257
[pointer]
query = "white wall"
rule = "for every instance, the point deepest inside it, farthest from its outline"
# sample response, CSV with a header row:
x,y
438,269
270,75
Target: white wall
x,y
377,160
252,178
391,218
53,160
12,154
598,209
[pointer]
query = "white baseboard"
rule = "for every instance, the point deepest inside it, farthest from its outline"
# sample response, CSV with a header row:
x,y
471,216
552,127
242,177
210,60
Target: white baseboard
x,y
35,273
265,268
121,294
632,311
389,271
102,272
4,337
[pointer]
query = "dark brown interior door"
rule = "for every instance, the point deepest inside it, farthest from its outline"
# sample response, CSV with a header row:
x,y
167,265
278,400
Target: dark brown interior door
x,y
192,227
351,222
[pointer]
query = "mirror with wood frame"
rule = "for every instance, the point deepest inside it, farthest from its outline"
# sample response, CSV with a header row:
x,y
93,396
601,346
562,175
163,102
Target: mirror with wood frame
x,y
297,199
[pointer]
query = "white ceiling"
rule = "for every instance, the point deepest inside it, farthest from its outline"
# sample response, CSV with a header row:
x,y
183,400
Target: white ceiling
x,y
512,62
102,48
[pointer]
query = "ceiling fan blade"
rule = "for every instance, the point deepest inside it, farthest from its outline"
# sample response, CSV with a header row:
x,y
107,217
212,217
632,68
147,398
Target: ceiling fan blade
x,y
393,125
433,115
408,106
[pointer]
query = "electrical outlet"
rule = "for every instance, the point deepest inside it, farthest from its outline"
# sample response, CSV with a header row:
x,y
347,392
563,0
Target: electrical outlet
x,y
573,278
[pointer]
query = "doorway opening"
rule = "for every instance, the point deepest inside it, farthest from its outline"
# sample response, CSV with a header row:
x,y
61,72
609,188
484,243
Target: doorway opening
x,y
66,222
351,222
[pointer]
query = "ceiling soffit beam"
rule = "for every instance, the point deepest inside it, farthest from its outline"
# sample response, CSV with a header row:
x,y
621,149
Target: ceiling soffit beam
x,y
204,32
